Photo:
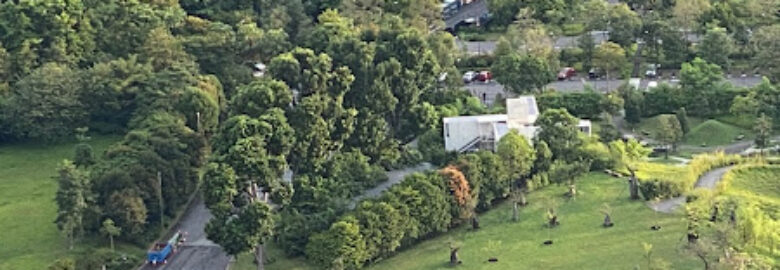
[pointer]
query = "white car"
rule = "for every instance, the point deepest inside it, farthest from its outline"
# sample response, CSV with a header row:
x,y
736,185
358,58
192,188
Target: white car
x,y
469,76
652,71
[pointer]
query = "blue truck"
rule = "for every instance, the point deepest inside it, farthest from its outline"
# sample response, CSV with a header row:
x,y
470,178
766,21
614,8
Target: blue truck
x,y
160,253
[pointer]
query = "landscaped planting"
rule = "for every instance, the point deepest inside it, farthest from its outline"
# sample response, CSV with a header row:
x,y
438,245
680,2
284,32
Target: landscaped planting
x,y
666,181
519,245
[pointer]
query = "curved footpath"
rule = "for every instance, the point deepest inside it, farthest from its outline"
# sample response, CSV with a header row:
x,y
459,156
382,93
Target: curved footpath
x,y
708,181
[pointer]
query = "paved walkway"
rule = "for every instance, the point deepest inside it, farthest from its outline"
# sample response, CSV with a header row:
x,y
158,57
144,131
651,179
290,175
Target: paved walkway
x,y
394,177
708,181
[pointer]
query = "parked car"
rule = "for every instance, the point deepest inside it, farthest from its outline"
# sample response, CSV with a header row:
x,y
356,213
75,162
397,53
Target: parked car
x,y
566,73
594,73
652,71
469,76
484,76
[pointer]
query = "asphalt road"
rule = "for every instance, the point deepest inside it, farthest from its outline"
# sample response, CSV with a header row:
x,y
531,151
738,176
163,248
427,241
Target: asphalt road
x,y
473,10
489,90
198,253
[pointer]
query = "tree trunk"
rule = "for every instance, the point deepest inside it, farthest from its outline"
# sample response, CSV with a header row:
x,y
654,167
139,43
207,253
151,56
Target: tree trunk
x,y
666,153
607,221
259,257
523,200
633,186
572,190
514,212
703,258
475,222
111,240
454,256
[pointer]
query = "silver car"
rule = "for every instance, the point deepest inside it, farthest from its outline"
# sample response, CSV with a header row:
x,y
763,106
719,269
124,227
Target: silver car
x,y
469,76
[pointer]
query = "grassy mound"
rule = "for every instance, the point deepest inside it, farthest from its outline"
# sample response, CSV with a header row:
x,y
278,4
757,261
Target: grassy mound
x,y
29,239
714,132
580,242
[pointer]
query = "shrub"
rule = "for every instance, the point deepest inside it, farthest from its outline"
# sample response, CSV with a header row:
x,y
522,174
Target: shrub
x,y
410,156
573,29
95,259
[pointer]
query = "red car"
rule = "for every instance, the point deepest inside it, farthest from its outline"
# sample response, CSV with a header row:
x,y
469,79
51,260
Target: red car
x,y
566,73
484,76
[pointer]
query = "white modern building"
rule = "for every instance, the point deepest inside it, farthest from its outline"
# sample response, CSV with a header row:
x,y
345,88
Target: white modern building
x,y
470,133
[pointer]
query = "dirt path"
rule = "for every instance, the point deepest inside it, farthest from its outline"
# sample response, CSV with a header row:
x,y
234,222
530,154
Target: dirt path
x,y
708,181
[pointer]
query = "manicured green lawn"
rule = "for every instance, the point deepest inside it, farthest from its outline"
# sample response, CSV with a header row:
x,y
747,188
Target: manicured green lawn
x,y
29,239
579,243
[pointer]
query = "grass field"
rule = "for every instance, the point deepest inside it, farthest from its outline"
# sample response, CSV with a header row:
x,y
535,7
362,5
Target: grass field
x,y
579,243
761,180
29,239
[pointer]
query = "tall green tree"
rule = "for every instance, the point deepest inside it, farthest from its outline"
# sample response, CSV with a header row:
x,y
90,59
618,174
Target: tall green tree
x,y
763,129
73,193
568,172
670,133
162,51
110,230
558,129
765,42
341,245
699,80
245,230
517,154
716,46
121,26
628,154
687,12
522,73
320,116
129,211
588,46
610,57
761,99
381,227
109,91
259,96
45,104
682,117
624,24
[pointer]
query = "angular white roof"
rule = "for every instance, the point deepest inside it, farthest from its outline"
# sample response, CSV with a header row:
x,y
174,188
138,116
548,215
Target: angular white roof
x,y
522,110
476,118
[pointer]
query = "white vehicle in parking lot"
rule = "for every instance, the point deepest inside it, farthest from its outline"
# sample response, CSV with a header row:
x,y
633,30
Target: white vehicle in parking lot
x,y
469,76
